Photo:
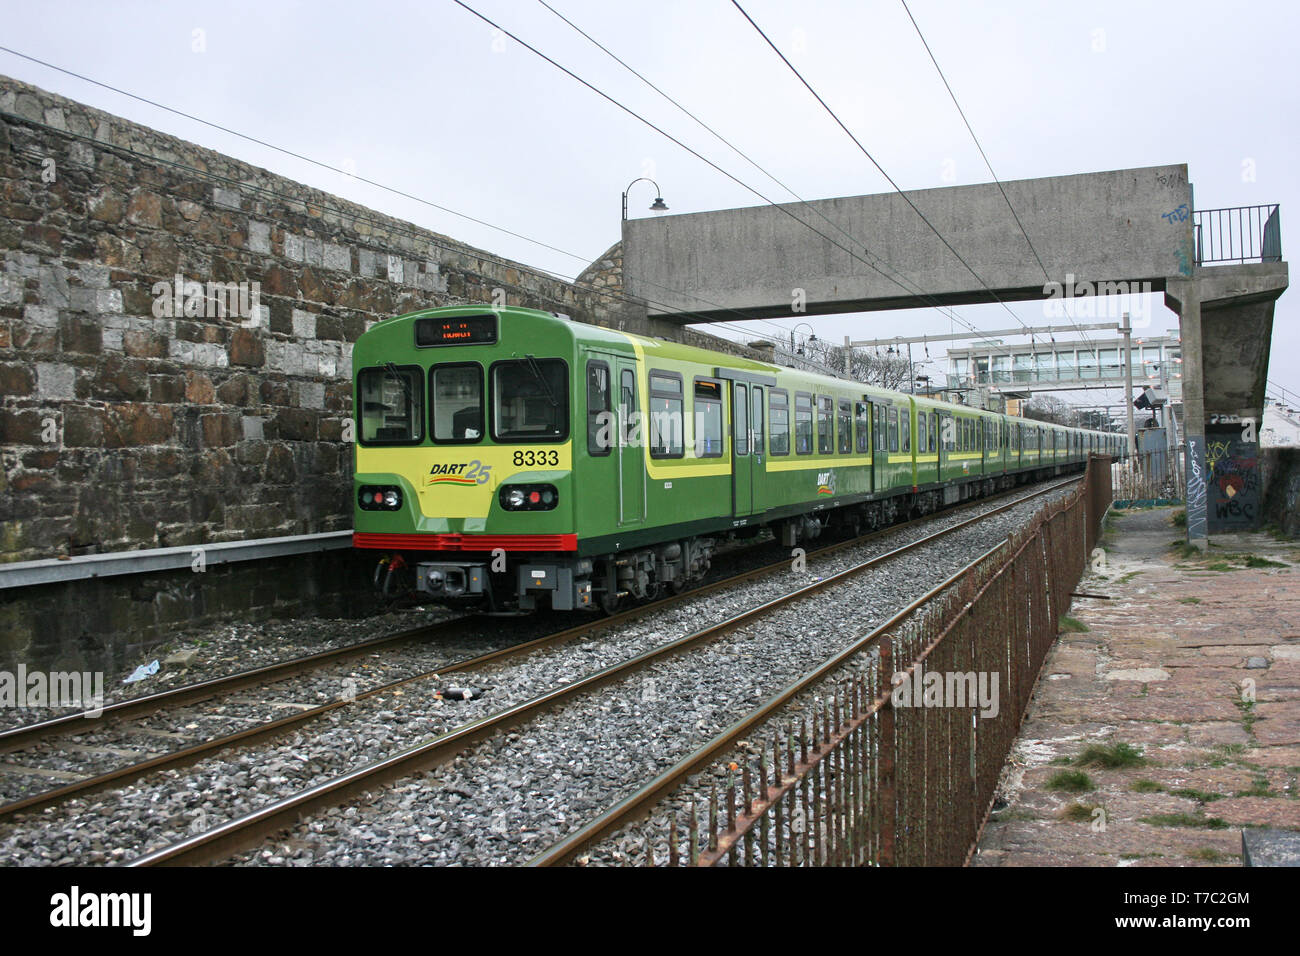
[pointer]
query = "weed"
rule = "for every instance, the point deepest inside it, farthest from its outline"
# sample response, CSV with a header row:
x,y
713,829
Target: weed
x,y
1071,781
1078,812
1111,756
1184,820
1072,625
1200,796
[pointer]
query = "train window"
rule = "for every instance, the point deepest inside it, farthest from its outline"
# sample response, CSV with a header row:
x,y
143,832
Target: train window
x,y
456,397
803,428
779,413
600,417
861,422
666,427
845,427
893,429
708,419
934,428
392,402
880,424
628,413
740,418
905,430
530,400
756,402
825,425
921,430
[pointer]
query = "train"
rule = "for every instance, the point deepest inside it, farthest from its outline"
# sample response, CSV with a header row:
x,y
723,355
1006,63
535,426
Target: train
x,y
509,460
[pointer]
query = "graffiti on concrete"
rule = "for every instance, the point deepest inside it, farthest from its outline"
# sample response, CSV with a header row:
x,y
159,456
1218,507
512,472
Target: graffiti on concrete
x,y
1196,518
1232,482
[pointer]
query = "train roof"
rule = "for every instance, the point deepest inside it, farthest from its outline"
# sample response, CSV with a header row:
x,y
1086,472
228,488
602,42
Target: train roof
x,y
595,334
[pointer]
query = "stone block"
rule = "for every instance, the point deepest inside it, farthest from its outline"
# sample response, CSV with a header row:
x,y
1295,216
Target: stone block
x,y
337,257
304,324
226,198
259,237
56,382
247,349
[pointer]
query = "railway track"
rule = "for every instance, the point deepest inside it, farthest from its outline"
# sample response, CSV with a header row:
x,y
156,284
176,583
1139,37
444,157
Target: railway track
x,y
20,740
226,839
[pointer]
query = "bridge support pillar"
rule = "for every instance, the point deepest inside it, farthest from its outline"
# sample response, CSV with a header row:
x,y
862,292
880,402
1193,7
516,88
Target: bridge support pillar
x,y
1226,317
1183,296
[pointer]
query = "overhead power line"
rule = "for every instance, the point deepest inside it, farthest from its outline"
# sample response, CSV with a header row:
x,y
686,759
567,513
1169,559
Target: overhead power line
x,y
641,119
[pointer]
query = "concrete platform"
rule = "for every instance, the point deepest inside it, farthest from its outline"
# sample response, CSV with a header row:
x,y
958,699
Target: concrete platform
x,y
1194,663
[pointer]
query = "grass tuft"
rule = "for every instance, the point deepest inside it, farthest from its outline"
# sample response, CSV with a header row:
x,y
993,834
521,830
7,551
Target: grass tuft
x,y
1070,624
1112,757
1071,781
1185,820
1078,812
1147,786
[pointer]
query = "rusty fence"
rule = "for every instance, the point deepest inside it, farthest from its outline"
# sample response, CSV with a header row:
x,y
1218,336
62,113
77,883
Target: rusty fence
x,y
897,764
1151,476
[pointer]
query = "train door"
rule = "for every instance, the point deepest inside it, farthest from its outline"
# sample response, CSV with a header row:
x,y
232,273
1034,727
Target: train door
x,y
631,444
758,446
742,459
873,445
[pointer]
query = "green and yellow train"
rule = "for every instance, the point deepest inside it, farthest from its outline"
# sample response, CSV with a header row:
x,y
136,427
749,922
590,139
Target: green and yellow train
x,y
508,459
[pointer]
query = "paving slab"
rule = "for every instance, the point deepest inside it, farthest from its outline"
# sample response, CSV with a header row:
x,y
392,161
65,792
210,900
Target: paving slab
x,y
1194,663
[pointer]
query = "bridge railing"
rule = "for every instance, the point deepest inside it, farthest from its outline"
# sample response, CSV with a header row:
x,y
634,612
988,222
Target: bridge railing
x,y
1238,234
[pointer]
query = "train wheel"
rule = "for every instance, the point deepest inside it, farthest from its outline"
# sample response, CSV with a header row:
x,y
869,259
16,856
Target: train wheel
x,y
608,602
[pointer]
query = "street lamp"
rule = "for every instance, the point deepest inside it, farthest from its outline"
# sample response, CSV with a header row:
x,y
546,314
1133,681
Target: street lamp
x,y
911,369
812,337
658,207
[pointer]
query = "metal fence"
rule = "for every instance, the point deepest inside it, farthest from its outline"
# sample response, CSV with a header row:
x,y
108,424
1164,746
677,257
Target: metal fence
x,y
880,775
1238,234
1151,476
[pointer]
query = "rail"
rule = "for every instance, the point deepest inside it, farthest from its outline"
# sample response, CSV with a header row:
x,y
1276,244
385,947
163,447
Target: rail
x,y
877,776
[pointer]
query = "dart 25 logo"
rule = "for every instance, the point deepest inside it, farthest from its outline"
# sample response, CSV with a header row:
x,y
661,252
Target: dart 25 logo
x,y
825,484
460,473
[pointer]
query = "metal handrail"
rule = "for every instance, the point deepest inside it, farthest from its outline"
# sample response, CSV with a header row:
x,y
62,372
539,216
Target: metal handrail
x,y
1238,234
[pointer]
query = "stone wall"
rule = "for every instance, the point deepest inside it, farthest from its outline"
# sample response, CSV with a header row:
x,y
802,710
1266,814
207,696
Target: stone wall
x,y
128,421
113,623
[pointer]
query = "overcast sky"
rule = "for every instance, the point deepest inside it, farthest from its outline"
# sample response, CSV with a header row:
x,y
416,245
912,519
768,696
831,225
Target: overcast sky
x,y
424,98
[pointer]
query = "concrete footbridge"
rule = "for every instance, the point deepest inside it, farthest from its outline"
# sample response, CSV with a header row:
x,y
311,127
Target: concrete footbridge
x,y
1106,233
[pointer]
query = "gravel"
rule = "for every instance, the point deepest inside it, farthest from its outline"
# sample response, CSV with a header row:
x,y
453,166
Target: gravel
x,y
512,795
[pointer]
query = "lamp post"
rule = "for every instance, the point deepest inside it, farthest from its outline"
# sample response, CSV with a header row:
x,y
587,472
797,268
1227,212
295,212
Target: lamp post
x,y
911,371
812,337
658,207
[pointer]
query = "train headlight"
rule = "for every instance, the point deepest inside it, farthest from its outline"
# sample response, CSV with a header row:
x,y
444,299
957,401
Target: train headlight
x,y
529,497
379,498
